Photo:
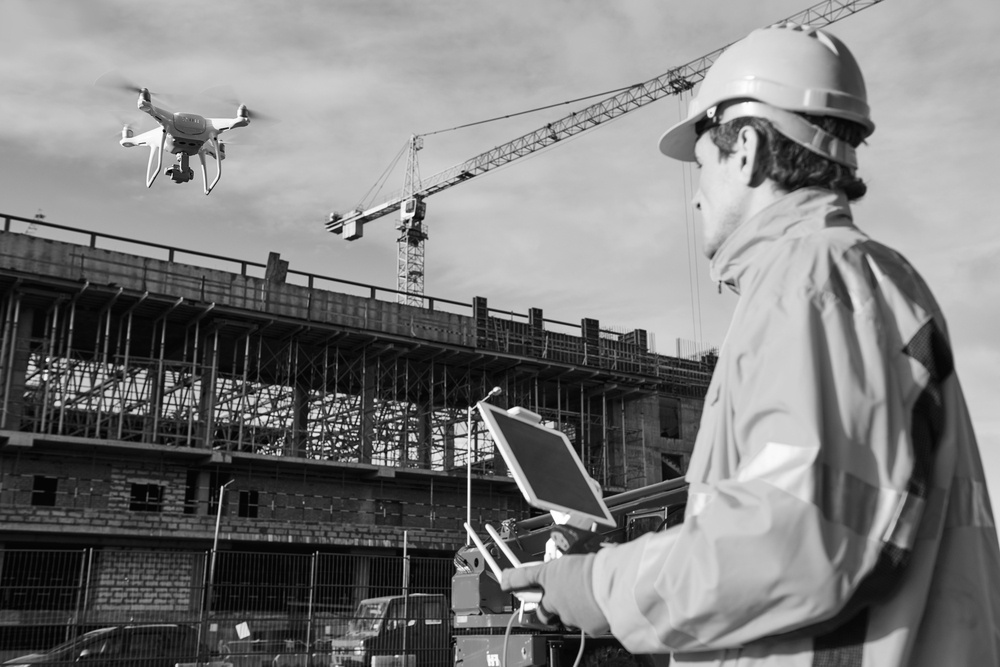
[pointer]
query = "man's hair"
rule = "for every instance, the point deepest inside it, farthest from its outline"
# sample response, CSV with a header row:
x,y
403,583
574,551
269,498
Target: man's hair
x,y
791,165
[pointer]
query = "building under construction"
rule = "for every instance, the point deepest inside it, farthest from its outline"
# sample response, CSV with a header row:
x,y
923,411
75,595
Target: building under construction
x,y
154,406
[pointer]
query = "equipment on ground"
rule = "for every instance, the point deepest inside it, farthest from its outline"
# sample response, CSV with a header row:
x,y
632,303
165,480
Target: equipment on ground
x,y
410,201
551,478
490,625
182,134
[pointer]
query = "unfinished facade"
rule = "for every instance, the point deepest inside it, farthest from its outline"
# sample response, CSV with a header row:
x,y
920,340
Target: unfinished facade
x,y
138,392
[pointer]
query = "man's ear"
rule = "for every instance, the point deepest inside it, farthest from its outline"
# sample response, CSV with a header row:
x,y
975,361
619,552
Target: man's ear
x,y
748,146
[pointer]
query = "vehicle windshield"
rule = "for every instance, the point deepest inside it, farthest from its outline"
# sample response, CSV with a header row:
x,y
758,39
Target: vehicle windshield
x,y
367,618
76,641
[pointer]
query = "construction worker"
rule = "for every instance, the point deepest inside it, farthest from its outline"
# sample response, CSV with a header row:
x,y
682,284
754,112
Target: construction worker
x,y
838,513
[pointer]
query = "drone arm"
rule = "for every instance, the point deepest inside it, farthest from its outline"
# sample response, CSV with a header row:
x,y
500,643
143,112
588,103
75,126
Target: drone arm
x,y
160,115
155,152
223,124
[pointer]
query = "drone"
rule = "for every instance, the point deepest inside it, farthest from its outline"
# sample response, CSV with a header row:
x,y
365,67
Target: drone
x,y
184,135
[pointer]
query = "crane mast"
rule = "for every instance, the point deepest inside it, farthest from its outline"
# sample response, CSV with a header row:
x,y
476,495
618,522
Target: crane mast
x,y
412,232
410,201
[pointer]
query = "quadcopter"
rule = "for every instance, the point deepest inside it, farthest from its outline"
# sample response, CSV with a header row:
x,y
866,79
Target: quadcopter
x,y
183,135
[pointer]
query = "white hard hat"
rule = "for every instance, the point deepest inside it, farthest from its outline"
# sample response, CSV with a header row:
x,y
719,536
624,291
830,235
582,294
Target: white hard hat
x,y
774,71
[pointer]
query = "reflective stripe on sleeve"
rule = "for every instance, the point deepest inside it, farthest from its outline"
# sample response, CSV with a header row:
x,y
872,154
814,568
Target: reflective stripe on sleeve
x,y
886,514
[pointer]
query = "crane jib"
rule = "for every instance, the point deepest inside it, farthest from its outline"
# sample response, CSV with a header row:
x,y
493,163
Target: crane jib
x,y
674,82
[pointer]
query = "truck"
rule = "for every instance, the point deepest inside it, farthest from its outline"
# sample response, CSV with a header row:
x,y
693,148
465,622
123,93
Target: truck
x,y
392,631
487,632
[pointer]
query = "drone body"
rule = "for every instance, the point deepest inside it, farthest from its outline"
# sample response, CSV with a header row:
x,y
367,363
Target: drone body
x,y
183,135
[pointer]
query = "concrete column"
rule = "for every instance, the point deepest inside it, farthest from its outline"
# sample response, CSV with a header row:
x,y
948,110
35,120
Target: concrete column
x,y
449,447
367,434
206,401
300,408
424,435
481,314
362,578
591,341
15,367
536,323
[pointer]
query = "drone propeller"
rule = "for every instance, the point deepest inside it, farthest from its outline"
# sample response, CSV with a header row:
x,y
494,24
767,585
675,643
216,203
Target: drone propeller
x,y
228,95
115,80
120,121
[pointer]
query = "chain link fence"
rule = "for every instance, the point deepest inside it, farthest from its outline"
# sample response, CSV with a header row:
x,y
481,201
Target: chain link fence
x,y
249,609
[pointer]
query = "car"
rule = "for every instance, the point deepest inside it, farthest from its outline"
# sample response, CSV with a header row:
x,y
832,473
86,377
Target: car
x,y
153,645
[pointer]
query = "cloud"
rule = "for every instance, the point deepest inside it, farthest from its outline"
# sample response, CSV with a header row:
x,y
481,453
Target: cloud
x,y
599,226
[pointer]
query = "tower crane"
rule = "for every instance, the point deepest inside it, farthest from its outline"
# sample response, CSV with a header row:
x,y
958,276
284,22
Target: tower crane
x,y
410,200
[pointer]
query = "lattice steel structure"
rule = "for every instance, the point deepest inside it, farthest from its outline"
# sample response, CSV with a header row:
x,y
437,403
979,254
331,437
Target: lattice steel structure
x,y
191,365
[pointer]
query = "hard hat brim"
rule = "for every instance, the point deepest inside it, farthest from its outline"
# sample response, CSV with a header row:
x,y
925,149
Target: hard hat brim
x,y
678,142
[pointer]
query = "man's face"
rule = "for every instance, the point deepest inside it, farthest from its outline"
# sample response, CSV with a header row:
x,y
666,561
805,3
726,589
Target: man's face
x,y
720,194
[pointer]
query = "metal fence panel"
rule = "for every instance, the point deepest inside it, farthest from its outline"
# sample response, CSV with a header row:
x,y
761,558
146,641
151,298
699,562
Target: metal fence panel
x,y
258,608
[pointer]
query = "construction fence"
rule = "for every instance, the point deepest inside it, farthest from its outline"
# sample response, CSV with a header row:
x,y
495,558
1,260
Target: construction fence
x,y
249,609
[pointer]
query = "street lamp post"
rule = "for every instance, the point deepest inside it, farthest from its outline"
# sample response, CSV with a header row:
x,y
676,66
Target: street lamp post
x,y
215,542
209,588
468,460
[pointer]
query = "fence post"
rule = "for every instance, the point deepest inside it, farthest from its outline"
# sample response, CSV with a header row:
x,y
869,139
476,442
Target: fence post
x,y
202,615
312,595
406,597
83,593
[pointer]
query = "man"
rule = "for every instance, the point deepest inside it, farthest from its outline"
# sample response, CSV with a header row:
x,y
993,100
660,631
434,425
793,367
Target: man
x,y
838,512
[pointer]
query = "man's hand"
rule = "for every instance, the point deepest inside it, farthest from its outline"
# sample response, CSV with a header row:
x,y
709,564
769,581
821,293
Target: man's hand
x,y
567,591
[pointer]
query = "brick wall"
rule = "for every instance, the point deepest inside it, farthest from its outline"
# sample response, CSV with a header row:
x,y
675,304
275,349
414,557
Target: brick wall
x,y
166,582
94,499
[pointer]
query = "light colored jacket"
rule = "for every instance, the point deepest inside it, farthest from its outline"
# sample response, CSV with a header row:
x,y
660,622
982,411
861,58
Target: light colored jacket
x,y
838,508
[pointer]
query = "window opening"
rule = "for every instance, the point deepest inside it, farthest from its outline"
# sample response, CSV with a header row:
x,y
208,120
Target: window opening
x,y
215,481
191,492
146,498
670,418
43,492
671,466
249,502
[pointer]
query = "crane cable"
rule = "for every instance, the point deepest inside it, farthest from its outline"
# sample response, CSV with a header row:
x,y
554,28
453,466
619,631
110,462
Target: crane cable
x,y
380,183
694,282
522,113
375,189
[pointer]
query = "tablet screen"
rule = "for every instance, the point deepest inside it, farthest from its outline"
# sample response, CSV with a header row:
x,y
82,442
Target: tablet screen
x,y
545,466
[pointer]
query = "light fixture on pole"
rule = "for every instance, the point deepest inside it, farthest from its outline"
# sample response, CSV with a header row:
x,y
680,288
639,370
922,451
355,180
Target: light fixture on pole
x,y
468,459
215,542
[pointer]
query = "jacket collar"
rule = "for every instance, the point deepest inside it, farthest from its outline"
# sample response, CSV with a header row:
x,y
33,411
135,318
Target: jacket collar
x,y
794,214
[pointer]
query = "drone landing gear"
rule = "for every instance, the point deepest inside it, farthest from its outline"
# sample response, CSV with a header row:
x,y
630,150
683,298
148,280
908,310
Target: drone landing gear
x,y
219,152
181,171
155,155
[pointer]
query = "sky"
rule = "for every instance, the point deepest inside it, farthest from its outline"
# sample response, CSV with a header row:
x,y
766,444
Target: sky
x,y
599,226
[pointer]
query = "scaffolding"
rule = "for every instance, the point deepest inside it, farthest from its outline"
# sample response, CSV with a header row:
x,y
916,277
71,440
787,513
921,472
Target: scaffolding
x,y
104,357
